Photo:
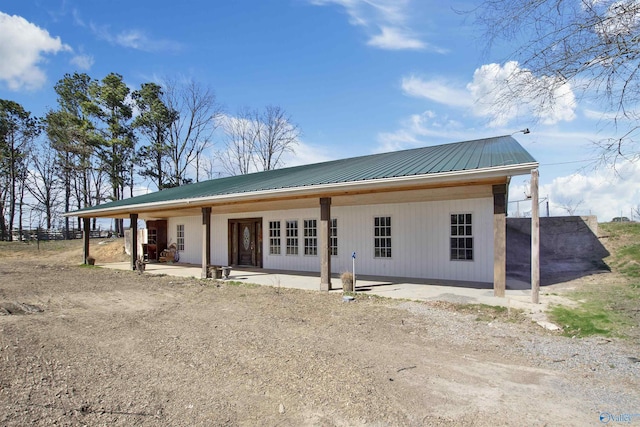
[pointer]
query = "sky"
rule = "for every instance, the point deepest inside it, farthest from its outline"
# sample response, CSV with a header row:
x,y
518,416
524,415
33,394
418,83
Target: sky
x,y
357,76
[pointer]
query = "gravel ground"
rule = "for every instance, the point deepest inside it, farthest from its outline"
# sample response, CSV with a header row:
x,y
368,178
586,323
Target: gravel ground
x,y
87,346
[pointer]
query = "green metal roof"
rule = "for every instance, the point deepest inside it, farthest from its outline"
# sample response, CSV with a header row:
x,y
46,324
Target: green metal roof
x,y
461,156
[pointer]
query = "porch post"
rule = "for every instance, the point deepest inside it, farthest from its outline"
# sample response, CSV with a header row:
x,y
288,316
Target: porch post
x,y
535,239
206,240
499,239
85,236
325,244
133,226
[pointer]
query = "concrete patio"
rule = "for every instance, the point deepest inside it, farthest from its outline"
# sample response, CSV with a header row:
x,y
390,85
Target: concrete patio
x,y
517,294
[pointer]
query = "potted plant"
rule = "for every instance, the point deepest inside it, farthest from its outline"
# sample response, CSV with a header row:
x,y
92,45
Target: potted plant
x,y
91,260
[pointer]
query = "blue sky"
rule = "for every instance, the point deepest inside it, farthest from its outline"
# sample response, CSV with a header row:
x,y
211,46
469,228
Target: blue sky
x,y
357,76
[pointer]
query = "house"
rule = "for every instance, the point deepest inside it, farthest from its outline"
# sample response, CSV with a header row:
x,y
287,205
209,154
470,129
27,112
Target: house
x,y
431,213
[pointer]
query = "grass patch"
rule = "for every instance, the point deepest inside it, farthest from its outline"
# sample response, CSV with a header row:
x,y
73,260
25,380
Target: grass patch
x,y
608,307
582,322
31,247
626,260
88,266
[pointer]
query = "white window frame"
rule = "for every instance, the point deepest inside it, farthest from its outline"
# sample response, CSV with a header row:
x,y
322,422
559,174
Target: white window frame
x,y
461,241
291,233
310,234
333,237
382,243
275,238
180,237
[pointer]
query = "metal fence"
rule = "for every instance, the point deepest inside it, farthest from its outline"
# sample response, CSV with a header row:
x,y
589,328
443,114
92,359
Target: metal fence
x,y
45,235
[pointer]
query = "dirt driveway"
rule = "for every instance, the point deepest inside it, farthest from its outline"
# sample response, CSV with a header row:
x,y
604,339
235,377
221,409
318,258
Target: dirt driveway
x,y
117,349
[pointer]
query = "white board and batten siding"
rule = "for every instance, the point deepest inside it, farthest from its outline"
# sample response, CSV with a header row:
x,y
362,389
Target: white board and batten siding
x,y
420,239
420,235
192,252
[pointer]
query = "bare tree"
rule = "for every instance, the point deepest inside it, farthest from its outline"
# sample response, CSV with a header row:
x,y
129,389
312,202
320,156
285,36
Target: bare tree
x,y
570,206
191,134
241,132
590,44
42,182
277,135
208,166
256,141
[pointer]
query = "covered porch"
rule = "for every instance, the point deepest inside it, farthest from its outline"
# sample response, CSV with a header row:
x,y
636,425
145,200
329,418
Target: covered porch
x,y
420,188
517,294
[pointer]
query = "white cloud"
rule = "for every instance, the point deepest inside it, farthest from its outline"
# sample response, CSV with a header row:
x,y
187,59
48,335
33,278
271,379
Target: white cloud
x,y
438,90
395,39
417,127
503,93
500,94
385,22
134,39
305,154
602,192
83,62
22,46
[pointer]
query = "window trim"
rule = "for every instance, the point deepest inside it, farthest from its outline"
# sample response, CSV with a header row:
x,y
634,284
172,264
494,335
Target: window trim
x,y
464,238
292,238
333,237
310,241
377,249
273,238
180,237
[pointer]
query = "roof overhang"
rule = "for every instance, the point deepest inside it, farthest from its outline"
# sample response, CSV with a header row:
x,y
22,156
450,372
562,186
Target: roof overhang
x,y
383,185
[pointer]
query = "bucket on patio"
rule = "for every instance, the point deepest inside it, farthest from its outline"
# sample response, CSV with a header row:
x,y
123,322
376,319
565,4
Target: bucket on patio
x,y
214,271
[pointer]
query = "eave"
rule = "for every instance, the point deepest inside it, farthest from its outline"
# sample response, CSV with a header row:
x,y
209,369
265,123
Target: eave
x,y
305,196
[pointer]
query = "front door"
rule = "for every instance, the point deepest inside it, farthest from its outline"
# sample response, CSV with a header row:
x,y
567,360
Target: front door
x,y
245,242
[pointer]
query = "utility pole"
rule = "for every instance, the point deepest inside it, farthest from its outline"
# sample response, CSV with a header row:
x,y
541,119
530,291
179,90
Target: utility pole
x,y
535,239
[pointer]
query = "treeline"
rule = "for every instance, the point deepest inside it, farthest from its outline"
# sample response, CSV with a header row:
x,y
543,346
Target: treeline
x,y
102,140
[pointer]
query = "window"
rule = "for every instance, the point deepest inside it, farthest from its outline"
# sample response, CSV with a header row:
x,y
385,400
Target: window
x,y
461,237
274,238
292,237
310,237
382,237
180,237
333,237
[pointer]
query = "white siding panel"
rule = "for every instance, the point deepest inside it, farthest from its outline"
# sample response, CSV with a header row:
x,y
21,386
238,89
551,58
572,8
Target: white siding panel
x,y
219,240
420,239
300,262
192,237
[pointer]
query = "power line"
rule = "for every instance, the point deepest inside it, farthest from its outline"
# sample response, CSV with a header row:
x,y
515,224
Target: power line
x,y
587,160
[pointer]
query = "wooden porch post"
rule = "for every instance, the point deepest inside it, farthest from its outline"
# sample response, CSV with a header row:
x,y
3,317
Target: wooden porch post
x,y
206,241
535,239
133,226
85,236
325,244
499,239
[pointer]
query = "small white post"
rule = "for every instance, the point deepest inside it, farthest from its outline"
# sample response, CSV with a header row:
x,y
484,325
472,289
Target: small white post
x,y
353,261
